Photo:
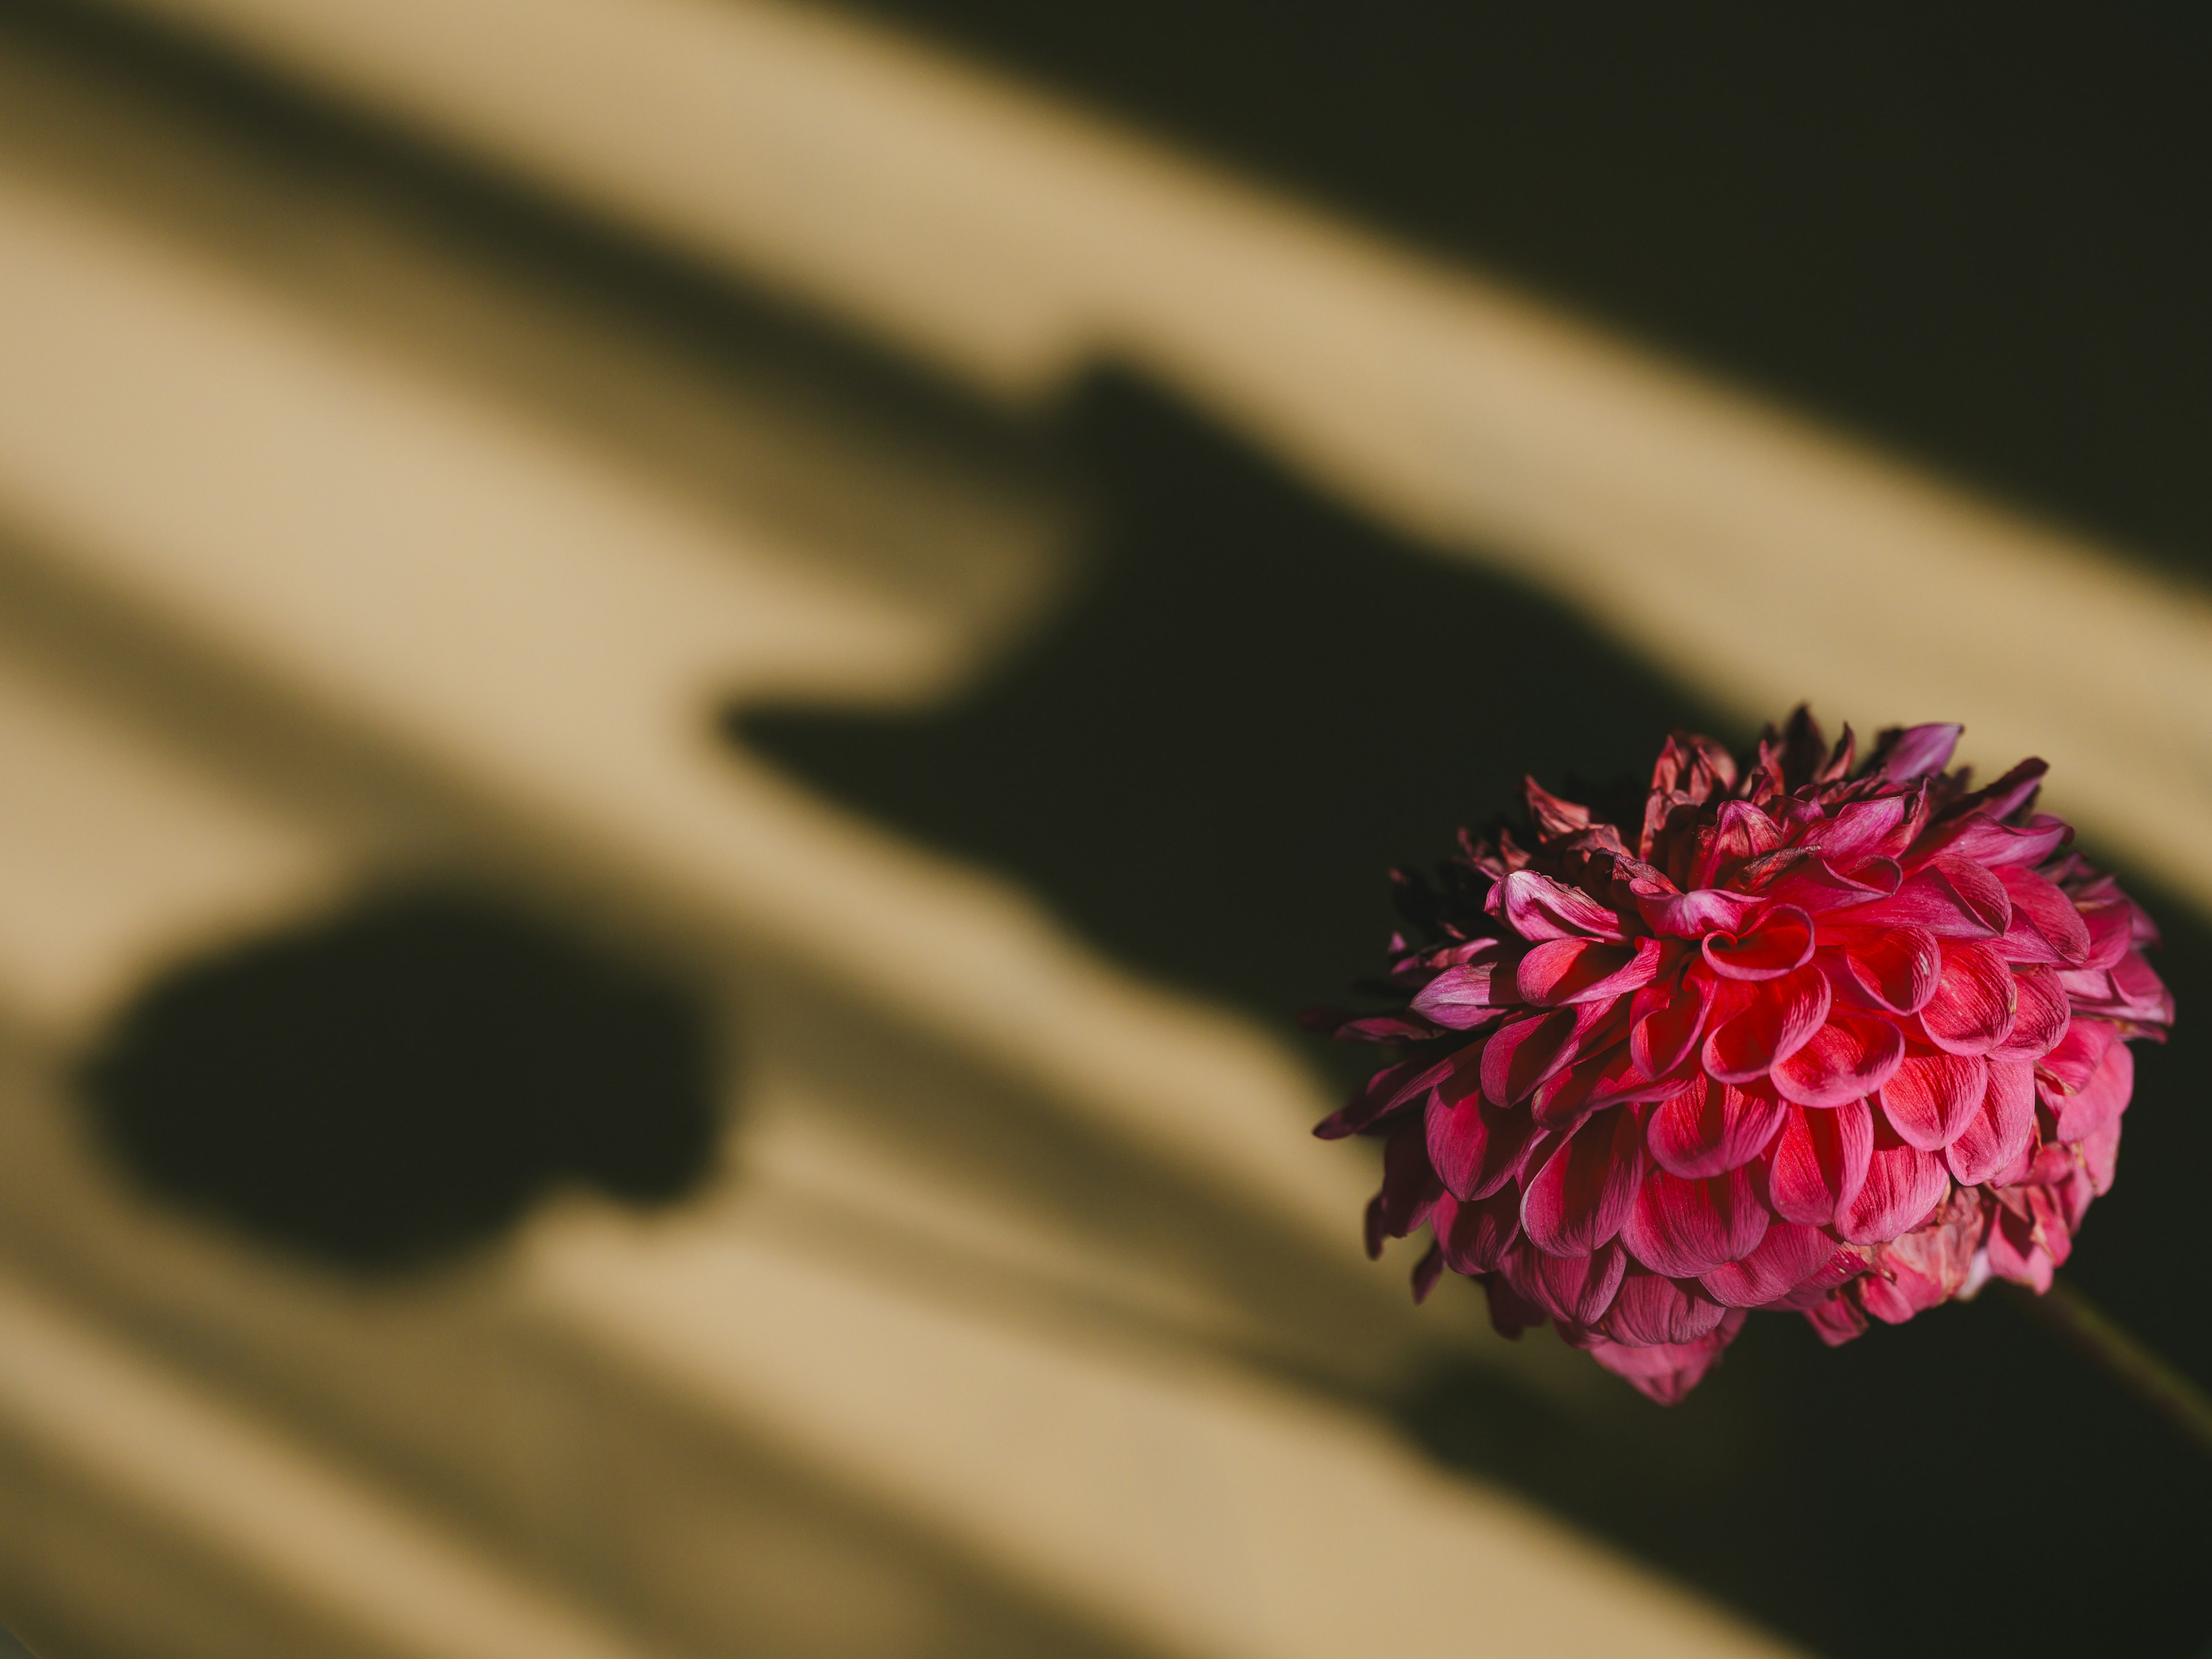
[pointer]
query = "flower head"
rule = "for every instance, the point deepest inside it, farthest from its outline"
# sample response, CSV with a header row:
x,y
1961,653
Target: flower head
x,y
1840,1039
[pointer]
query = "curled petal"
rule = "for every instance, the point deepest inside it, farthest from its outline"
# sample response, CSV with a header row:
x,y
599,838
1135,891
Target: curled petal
x,y
1930,1098
2045,927
1894,967
1582,1193
1819,1161
1903,1186
1683,1228
2040,1018
1974,1002
2001,1128
1538,908
1650,1310
1781,943
1845,1060
1712,1128
1777,1020
1787,1256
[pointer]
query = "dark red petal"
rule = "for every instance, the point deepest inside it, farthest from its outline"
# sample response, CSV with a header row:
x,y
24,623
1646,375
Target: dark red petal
x,y
1903,1186
1930,1098
1582,1195
1789,1254
1684,1228
1538,908
2040,1016
2101,1101
1712,1128
1819,1161
2045,926
2001,1128
1566,970
1460,998
1845,1060
1781,943
1649,1311
1778,1019
1477,1235
1974,1001
1893,968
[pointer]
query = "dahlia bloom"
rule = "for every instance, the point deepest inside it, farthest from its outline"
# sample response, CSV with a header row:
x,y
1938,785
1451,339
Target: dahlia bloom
x,y
1843,1039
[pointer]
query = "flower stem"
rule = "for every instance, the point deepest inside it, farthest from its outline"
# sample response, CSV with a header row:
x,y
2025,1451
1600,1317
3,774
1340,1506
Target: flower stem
x,y
2135,1368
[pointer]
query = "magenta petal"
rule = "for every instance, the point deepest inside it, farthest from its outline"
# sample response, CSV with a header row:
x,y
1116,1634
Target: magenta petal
x,y
2100,1102
1845,1060
2045,926
1893,968
2001,1128
1819,1161
1684,1228
1564,970
1930,1098
1791,1254
1650,1309
1460,998
1903,1186
1666,1372
1477,1235
1777,1019
1712,1128
2041,1014
1538,908
1974,1002
1582,1195
1780,943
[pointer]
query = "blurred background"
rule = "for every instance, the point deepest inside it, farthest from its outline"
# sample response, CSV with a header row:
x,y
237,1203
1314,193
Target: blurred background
x,y
686,687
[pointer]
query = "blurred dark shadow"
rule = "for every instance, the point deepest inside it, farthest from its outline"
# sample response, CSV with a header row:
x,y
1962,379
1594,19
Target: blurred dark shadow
x,y
396,1085
1207,763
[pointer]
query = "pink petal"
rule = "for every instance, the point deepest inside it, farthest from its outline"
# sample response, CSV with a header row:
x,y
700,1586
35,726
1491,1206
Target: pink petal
x,y
1931,1098
2098,1104
1951,898
2039,1019
1903,1186
1712,1128
1460,998
1649,1311
2045,926
1473,1146
1476,1237
1819,1161
1684,1228
1845,1060
2001,1128
1666,1372
1974,1002
1582,1195
1782,942
1789,1254
1893,968
1565,971
1538,908
1777,1019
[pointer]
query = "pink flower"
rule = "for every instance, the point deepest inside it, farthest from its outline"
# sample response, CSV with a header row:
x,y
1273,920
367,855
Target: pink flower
x,y
1839,1040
